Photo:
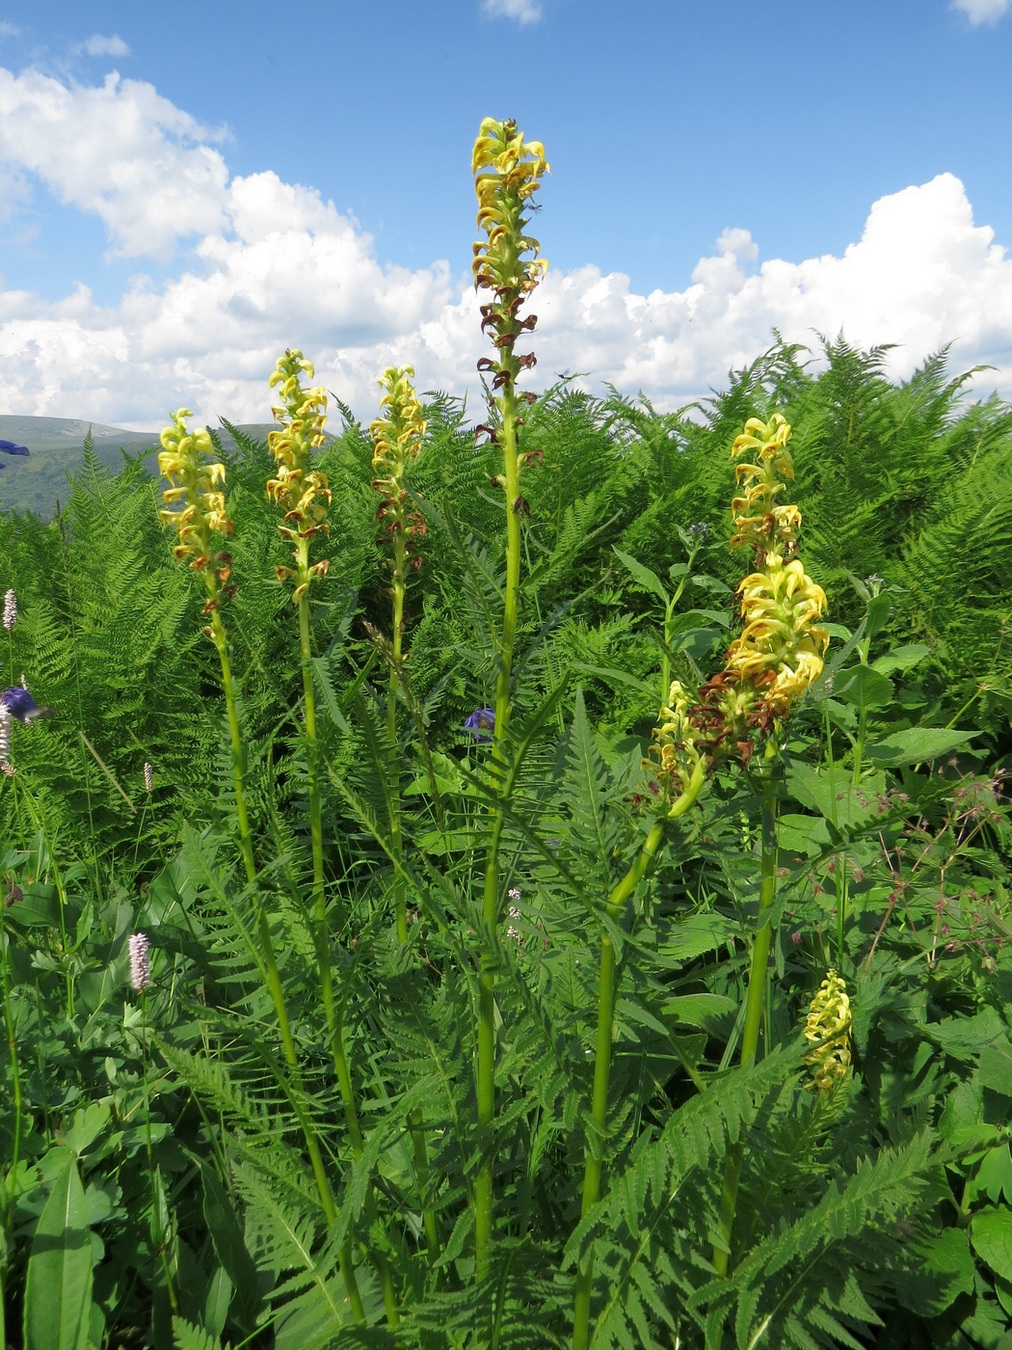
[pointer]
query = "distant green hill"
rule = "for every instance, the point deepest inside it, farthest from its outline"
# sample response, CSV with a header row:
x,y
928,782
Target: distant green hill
x,y
38,482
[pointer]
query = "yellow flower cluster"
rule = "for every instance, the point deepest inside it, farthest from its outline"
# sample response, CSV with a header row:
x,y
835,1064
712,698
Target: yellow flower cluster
x,y
675,761
781,647
758,519
827,1029
507,170
397,438
301,491
674,757
195,503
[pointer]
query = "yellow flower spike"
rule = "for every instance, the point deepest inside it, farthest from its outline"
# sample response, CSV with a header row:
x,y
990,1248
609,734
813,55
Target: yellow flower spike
x,y
300,491
758,519
780,638
827,1029
674,759
202,515
507,173
397,439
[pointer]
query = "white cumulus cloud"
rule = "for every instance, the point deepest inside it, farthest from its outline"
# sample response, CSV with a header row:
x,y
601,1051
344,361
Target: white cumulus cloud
x,y
97,45
262,264
982,11
119,150
524,11
922,274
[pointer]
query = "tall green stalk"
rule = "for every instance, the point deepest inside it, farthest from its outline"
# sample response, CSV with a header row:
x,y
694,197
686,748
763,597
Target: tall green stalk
x,y
507,172
397,439
607,991
196,509
771,663
303,495
755,998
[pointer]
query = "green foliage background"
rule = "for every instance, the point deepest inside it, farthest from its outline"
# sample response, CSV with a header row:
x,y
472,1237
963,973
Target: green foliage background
x,y
876,1219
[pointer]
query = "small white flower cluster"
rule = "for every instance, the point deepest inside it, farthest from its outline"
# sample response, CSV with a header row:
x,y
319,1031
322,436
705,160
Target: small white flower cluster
x,y
514,913
140,962
10,610
5,742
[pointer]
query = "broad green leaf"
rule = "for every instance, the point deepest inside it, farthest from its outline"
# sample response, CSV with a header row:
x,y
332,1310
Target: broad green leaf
x,y
698,1010
650,581
864,688
994,1175
996,1068
991,1235
901,658
833,795
916,745
226,1238
39,908
85,1127
879,611
942,1271
57,1309
807,835
217,1301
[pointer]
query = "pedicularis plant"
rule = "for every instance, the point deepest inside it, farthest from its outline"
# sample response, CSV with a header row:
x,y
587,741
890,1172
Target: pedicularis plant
x,y
388,970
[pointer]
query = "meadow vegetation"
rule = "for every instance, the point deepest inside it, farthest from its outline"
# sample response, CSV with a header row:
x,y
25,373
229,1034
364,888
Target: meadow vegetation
x,y
541,883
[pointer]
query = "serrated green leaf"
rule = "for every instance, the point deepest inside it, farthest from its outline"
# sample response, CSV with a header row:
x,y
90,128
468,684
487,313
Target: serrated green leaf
x,y
991,1236
916,745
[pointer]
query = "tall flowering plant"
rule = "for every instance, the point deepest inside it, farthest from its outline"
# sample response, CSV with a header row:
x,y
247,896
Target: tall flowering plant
x,y
302,493
397,440
507,171
195,508
776,657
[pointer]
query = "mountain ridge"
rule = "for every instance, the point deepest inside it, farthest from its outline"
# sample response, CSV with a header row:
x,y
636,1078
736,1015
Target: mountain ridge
x,y
38,482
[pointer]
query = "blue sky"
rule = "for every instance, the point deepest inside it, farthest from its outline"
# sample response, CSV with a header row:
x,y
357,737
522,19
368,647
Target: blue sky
x,y
181,196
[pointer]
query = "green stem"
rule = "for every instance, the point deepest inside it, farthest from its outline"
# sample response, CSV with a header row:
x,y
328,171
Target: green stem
x,y
321,928
755,998
841,875
607,990
397,848
485,1078
274,985
393,763
158,1233
597,1134
12,1050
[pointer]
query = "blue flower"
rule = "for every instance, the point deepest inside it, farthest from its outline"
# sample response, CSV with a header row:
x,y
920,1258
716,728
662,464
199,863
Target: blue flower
x,y
12,448
480,721
18,702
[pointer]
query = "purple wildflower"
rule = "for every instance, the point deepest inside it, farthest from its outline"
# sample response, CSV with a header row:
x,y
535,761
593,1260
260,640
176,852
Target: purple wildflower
x,y
20,704
140,962
12,448
480,721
